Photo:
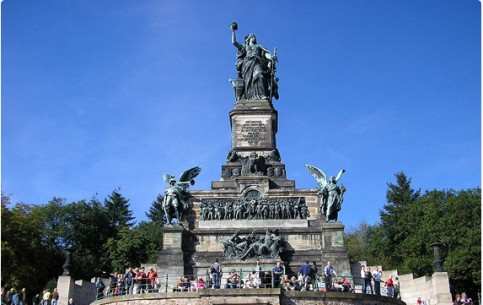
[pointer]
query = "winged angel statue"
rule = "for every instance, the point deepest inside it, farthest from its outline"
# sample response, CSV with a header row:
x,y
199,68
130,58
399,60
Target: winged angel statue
x,y
176,200
331,193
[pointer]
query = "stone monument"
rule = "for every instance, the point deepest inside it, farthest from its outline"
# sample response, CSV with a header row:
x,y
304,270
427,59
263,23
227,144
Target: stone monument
x,y
253,212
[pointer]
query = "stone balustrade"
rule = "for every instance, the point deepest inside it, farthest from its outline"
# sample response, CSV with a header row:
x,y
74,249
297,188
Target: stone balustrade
x,y
248,297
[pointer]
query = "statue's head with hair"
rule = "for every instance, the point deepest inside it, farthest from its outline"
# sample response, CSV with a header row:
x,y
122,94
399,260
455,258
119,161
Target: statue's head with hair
x,y
250,36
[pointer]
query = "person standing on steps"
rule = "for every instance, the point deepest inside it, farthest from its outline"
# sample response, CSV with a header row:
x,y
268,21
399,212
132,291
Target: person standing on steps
x,y
216,273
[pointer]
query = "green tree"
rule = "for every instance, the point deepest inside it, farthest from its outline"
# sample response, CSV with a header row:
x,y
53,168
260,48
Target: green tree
x,y
53,216
356,242
132,247
460,233
34,238
156,211
118,211
411,223
367,243
377,240
425,215
125,250
88,230
153,232
395,221
26,260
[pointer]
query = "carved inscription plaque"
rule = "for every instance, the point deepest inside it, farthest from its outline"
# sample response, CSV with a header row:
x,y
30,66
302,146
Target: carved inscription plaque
x,y
254,131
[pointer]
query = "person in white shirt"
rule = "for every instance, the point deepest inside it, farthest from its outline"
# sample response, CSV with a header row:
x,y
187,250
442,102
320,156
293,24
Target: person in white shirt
x,y
377,275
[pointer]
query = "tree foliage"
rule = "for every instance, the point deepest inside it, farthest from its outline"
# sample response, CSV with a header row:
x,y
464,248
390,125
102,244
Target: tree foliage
x,y
133,247
102,233
89,231
411,222
27,261
118,211
396,222
156,211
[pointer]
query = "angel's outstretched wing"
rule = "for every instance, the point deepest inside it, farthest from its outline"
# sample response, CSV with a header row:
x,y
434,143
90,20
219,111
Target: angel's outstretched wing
x,y
167,178
318,174
189,175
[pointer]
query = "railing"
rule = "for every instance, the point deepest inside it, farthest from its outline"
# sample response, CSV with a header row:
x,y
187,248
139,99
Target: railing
x,y
191,283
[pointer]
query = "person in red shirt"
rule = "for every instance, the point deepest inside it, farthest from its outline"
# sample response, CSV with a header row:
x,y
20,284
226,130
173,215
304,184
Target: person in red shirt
x,y
346,285
390,287
144,281
152,278
140,281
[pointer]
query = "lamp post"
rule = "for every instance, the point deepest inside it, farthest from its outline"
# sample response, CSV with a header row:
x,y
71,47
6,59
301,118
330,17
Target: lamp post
x,y
438,262
68,257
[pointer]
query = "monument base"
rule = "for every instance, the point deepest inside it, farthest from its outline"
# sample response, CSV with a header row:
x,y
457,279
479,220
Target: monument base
x,y
171,259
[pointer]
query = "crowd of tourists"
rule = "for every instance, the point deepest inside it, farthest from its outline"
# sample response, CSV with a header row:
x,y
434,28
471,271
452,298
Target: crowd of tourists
x,y
134,281
46,297
308,278
372,283
13,297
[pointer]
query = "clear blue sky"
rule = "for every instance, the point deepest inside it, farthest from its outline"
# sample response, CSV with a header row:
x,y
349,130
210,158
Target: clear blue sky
x,y
98,95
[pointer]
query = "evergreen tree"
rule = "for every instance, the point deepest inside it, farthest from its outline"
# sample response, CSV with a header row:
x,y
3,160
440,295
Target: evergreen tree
x,y
156,211
395,222
412,222
118,211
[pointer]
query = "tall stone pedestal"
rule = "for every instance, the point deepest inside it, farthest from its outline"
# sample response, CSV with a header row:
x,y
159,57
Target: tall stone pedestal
x,y
83,292
171,261
253,126
66,286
